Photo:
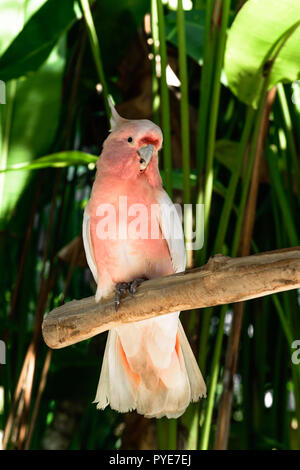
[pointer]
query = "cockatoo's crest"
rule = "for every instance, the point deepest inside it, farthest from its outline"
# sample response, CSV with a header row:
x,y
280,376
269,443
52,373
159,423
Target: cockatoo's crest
x,y
115,120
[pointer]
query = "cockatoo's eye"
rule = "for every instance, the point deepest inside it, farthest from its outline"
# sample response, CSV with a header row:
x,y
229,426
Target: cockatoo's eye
x,y
130,139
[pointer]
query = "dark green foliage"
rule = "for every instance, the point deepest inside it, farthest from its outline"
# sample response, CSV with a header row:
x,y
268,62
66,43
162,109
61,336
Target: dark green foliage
x,y
54,123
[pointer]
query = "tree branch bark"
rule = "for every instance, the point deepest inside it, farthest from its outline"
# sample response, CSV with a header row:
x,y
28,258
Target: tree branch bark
x,y
222,280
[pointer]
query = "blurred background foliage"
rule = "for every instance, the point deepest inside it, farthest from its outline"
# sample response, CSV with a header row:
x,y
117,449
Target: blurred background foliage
x,y
220,78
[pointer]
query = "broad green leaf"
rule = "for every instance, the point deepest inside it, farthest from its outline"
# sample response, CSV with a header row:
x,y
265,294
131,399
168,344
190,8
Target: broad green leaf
x,y
12,20
29,123
258,29
194,27
56,160
33,44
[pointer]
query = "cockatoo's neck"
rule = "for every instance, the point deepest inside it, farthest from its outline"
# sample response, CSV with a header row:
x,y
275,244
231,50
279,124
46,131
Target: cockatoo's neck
x,y
111,166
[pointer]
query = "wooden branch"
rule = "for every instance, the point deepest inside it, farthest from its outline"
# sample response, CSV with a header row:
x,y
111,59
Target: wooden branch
x,y
222,280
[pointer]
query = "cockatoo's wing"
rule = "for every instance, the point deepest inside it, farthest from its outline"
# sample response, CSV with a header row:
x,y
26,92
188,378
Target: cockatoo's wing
x,y
171,228
162,341
86,236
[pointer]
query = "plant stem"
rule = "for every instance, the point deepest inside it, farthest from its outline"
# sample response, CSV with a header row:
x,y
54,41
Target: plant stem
x,y
205,87
214,105
247,179
165,104
289,134
283,320
204,442
95,49
155,85
209,174
230,194
286,212
184,104
172,437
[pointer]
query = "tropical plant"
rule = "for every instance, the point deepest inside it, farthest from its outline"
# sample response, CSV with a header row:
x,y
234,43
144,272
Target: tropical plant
x,y
222,80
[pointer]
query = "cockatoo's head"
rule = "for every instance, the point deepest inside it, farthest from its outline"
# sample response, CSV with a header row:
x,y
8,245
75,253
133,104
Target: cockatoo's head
x,y
131,148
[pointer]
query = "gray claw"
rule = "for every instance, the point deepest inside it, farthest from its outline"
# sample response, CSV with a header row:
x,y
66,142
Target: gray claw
x,y
121,289
134,285
117,300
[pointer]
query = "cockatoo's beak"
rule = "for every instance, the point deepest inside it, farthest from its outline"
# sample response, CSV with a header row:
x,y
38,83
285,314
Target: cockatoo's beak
x,y
145,153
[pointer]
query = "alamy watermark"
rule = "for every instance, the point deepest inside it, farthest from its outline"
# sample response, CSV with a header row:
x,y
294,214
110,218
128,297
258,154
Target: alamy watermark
x,y
296,92
2,352
137,221
296,354
2,92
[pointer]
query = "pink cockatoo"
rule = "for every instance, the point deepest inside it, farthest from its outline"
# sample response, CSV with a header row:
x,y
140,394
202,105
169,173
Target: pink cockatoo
x,y
148,366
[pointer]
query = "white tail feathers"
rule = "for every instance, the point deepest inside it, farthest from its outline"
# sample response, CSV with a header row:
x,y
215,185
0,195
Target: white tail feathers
x,y
133,382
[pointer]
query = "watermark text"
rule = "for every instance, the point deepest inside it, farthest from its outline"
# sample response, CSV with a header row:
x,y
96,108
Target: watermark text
x,y
2,352
296,354
138,221
2,92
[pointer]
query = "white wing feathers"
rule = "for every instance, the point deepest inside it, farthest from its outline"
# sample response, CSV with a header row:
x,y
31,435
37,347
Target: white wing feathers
x,y
171,228
86,236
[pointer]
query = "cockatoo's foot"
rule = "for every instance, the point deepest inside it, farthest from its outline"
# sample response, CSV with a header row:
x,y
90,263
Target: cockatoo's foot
x,y
122,288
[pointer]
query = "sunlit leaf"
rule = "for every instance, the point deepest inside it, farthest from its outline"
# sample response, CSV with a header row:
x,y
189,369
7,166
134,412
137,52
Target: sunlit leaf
x,y
33,44
255,33
56,160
